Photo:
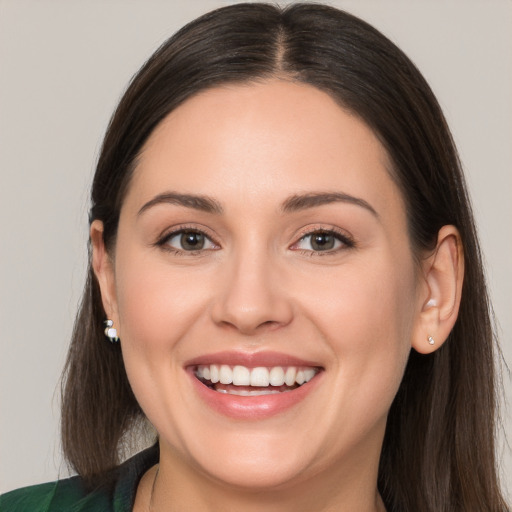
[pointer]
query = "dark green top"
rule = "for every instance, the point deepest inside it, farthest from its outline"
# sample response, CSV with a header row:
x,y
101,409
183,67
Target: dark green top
x,y
70,495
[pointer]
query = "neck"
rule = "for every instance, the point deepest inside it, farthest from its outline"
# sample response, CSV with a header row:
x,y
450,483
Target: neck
x,y
176,486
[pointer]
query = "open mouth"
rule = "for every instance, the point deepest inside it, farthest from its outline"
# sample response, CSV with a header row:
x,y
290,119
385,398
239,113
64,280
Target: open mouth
x,y
244,381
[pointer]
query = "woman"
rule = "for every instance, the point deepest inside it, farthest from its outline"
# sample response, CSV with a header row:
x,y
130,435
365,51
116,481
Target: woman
x,y
285,258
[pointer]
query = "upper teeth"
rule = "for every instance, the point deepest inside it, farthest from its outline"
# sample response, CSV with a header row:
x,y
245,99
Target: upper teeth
x,y
260,376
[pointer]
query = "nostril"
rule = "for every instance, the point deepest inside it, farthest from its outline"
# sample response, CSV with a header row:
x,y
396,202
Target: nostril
x,y
249,328
270,325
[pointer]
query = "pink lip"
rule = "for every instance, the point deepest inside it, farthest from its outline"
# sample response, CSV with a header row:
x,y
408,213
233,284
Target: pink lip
x,y
256,407
251,359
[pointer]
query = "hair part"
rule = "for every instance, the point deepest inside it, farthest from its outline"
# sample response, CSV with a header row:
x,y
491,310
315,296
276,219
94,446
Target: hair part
x,y
446,402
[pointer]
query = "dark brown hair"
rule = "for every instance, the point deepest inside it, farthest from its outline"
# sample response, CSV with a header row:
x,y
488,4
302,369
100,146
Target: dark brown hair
x,y
438,453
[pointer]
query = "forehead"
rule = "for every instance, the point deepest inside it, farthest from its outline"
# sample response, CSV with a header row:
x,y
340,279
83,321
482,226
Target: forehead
x,y
262,141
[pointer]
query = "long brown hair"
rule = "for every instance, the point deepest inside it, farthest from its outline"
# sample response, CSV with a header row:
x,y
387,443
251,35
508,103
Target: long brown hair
x,y
438,453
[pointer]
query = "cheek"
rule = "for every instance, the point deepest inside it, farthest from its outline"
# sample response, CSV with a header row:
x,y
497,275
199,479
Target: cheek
x,y
359,300
157,310
369,330
156,306
367,316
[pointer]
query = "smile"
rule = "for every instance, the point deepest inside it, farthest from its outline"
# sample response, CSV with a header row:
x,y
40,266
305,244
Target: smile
x,y
253,386
244,381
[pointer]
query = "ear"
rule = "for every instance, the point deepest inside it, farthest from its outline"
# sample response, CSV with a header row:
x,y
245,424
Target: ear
x,y
440,292
103,267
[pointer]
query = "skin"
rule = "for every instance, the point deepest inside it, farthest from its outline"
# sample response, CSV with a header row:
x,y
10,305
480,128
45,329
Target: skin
x,y
355,310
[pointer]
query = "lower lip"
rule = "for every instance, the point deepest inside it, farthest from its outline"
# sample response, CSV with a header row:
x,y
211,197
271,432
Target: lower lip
x,y
255,407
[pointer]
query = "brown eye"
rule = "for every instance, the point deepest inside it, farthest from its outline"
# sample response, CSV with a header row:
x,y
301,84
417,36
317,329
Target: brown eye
x,y
322,241
188,240
192,240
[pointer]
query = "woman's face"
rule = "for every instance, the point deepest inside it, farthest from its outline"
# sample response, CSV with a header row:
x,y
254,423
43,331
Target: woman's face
x,y
263,239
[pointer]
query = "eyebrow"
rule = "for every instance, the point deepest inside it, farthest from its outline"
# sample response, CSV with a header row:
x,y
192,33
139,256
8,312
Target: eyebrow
x,y
196,202
310,200
294,203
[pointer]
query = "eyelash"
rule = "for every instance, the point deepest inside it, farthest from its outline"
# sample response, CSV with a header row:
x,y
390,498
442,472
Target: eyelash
x,y
342,237
347,242
163,241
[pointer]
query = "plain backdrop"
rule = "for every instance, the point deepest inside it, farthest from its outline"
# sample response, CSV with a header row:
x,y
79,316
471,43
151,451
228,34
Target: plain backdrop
x,y
64,65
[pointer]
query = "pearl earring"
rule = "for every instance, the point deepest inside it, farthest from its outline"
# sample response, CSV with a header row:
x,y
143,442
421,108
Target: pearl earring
x,y
110,331
430,340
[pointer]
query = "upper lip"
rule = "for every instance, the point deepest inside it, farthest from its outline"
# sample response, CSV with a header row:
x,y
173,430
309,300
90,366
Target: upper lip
x,y
251,359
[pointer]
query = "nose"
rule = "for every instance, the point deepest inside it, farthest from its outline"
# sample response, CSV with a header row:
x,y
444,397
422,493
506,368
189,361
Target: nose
x,y
252,297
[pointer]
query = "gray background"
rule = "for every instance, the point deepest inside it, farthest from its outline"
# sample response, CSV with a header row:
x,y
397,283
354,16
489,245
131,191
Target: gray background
x,y
63,67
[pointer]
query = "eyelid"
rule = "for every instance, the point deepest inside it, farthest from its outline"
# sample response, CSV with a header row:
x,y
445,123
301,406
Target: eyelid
x,y
341,235
176,230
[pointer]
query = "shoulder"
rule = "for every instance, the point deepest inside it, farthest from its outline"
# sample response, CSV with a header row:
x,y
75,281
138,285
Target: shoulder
x,y
117,493
67,495
35,497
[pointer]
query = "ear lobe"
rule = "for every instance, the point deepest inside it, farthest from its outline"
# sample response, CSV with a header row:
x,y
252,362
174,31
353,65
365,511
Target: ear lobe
x,y
443,274
103,269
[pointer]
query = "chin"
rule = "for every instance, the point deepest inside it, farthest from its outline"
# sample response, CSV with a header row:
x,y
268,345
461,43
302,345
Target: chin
x,y
256,474
251,458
